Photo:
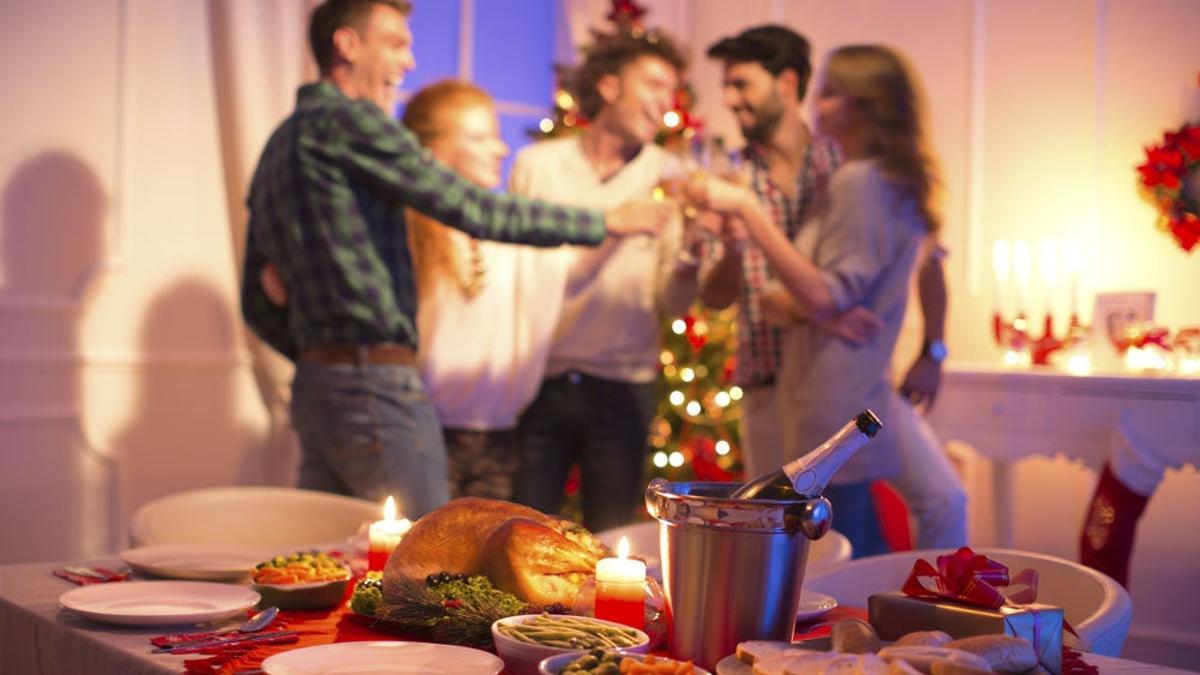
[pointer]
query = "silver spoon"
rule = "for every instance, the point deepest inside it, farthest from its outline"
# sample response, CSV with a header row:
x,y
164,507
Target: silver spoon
x,y
256,623
259,621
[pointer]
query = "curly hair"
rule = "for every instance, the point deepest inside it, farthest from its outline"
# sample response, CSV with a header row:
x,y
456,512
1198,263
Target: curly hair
x,y
609,55
881,82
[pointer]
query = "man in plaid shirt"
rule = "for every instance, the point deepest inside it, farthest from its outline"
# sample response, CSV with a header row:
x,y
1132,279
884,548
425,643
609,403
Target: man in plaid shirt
x,y
766,74
327,206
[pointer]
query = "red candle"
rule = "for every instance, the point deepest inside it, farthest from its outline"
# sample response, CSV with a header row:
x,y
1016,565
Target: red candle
x,y
620,594
384,535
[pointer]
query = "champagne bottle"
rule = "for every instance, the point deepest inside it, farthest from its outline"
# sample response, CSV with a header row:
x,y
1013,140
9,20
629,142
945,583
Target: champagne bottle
x,y
807,476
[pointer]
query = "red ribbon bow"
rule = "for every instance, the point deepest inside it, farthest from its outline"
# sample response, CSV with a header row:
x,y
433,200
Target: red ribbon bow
x,y
966,576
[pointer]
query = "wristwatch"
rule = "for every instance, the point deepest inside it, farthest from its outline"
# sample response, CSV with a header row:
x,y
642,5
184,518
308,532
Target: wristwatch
x,y
935,350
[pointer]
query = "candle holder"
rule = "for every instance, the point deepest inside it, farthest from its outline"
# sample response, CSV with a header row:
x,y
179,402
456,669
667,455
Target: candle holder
x,y
1046,345
1013,336
1020,346
655,619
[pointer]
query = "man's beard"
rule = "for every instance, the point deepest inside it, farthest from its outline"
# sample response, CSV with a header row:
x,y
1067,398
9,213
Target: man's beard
x,y
764,126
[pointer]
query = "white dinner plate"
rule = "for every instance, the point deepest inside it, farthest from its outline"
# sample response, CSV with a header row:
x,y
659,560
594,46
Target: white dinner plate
x,y
814,604
198,562
361,658
155,603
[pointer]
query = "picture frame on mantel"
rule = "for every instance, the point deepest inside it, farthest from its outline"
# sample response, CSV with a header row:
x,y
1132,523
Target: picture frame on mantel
x,y
1113,312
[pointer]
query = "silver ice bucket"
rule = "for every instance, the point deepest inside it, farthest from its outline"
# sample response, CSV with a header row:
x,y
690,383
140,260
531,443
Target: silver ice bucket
x,y
732,568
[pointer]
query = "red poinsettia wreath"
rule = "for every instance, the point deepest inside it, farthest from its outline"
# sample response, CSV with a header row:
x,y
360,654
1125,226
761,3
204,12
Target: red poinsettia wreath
x,y
1171,179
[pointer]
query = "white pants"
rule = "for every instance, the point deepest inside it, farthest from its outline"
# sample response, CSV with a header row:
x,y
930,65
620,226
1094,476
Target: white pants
x,y
927,480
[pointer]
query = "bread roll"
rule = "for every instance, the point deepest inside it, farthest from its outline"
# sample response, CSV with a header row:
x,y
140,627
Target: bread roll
x,y
752,651
854,636
802,662
789,660
952,668
1005,653
923,638
901,667
923,658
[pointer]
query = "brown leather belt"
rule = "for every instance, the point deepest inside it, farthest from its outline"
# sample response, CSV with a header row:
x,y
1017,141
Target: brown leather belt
x,y
383,353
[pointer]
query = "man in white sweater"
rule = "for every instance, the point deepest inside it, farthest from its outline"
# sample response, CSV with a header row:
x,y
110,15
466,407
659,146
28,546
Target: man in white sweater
x,y
597,400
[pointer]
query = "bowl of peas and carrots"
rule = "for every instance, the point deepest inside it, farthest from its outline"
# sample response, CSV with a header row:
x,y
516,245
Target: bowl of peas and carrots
x,y
601,662
306,580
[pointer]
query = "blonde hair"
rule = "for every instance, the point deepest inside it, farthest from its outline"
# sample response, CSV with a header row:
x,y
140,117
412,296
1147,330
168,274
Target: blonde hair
x,y
429,114
884,86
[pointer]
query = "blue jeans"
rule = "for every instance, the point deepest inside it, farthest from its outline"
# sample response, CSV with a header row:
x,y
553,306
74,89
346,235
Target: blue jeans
x,y
602,425
369,431
854,515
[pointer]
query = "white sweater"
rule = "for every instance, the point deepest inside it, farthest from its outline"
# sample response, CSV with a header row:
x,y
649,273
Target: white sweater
x,y
482,358
616,292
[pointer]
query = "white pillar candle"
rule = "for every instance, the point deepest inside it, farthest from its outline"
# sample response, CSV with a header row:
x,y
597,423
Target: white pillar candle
x,y
1022,269
1048,268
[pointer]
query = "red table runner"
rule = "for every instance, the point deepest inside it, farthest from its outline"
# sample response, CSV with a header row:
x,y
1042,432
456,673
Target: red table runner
x,y
314,628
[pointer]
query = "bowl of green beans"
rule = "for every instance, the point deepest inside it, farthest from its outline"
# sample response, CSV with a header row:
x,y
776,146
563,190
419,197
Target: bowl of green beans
x,y
523,641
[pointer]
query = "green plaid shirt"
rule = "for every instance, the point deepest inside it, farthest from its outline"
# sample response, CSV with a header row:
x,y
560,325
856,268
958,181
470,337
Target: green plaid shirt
x,y
327,207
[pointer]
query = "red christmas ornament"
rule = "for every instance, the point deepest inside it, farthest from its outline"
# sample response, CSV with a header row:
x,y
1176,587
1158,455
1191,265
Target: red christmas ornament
x,y
626,13
707,470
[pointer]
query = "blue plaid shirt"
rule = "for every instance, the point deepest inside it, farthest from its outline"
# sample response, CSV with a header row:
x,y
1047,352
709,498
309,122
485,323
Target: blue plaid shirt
x,y
327,207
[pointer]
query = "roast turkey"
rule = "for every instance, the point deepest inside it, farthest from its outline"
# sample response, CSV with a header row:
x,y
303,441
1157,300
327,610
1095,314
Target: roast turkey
x,y
538,558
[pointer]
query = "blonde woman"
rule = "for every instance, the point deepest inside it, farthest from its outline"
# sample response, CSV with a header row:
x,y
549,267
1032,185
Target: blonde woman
x,y
484,327
860,251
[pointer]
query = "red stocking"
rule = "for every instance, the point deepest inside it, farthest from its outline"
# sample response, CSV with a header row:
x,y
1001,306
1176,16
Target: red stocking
x,y
1109,527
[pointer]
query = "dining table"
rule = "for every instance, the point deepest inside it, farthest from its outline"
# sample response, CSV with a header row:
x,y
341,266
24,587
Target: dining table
x,y
40,637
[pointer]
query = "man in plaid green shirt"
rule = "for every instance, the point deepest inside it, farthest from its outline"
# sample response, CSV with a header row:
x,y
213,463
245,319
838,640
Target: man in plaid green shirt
x,y
327,206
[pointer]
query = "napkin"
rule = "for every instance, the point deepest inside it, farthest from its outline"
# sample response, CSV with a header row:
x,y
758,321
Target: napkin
x,y
86,576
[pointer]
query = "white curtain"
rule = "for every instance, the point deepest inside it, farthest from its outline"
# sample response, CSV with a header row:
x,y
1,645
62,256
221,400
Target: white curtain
x,y
260,56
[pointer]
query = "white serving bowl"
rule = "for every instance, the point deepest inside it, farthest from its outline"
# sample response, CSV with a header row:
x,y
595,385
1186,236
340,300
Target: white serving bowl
x,y
554,665
522,658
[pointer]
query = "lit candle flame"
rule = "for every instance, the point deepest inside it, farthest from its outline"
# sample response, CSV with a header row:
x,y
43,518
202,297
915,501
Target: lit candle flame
x,y
389,509
623,547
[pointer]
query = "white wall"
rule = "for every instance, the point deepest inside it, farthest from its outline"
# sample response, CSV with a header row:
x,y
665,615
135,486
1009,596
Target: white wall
x,y
122,372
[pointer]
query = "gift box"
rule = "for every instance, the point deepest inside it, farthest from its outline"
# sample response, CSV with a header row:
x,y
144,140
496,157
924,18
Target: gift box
x,y
896,614
969,594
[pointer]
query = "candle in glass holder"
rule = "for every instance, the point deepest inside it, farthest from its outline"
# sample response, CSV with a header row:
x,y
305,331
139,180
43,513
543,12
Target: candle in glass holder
x,y
620,594
384,535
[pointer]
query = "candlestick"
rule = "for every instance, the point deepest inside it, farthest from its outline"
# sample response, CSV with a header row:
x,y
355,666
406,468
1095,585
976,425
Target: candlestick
x,y
384,535
620,594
